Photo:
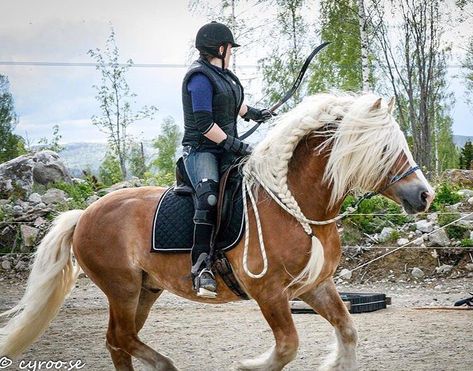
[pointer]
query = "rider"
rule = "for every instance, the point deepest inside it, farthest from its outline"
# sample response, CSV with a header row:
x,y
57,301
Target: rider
x,y
212,98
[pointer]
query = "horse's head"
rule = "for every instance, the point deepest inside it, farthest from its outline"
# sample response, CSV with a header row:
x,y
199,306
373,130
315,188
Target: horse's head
x,y
369,152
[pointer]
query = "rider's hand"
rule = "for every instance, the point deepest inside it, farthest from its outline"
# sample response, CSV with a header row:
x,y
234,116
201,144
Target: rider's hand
x,y
258,115
236,146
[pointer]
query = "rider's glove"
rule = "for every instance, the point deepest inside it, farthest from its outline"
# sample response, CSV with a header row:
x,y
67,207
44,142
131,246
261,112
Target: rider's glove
x,y
258,115
236,146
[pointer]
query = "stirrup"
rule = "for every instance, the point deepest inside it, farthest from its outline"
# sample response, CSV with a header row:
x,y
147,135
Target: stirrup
x,y
201,291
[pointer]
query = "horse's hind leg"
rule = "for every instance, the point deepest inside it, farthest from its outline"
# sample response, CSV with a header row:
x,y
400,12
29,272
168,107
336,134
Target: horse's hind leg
x,y
277,313
327,302
121,359
125,312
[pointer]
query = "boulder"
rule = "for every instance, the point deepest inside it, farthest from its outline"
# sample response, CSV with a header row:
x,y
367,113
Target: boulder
x,y
6,265
417,272
385,234
465,193
346,274
443,269
34,198
54,196
90,200
18,175
424,226
133,182
470,201
460,177
402,241
439,238
28,235
469,267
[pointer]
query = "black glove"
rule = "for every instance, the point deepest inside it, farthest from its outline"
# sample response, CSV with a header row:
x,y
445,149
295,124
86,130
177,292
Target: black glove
x,y
236,146
258,115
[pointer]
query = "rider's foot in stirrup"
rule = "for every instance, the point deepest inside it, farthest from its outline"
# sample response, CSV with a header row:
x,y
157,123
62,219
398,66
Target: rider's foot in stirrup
x,y
205,284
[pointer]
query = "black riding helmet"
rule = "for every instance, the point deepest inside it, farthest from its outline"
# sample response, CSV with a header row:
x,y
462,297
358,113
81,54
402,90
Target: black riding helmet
x,y
212,36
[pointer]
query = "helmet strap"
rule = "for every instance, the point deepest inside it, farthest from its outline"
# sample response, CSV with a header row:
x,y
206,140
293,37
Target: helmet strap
x,y
223,55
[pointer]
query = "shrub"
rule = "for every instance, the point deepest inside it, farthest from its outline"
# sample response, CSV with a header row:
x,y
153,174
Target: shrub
x,y
466,242
445,194
79,192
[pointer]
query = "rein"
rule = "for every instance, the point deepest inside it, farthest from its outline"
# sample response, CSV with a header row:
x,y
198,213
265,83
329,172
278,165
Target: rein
x,y
246,189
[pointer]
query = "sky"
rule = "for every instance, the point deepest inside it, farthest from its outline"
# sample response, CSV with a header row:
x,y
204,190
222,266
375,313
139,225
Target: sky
x,y
147,31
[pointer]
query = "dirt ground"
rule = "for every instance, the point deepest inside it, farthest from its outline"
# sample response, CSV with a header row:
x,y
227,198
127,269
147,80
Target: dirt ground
x,y
213,337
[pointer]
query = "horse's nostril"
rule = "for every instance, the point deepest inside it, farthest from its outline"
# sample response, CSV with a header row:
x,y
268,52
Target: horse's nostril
x,y
423,196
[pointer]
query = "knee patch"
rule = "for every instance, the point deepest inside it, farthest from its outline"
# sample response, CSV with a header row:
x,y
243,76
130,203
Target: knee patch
x,y
206,196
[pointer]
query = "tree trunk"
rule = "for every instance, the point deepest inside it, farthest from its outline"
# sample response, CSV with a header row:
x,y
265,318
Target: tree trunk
x,y
365,70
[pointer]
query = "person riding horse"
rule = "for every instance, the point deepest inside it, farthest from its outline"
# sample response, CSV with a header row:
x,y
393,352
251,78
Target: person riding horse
x,y
212,99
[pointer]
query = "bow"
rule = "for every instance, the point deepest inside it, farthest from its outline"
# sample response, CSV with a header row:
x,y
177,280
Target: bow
x,y
293,89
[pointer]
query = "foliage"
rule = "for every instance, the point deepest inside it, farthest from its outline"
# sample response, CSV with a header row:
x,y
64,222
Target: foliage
x,y
445,194
116,99
79,192
137,160
466,242
376,205
52,144
466,156
338,66
453,231
11,145
282,66
109,171
166,144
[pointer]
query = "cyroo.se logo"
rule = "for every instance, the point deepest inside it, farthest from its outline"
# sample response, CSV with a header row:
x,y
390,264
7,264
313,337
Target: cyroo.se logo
x,y
5,362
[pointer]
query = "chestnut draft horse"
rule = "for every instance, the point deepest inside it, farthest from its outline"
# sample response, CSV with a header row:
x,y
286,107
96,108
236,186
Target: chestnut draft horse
x,y
319,151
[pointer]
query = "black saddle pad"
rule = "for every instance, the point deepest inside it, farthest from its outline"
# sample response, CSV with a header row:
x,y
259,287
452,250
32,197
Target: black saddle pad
x,y
173,228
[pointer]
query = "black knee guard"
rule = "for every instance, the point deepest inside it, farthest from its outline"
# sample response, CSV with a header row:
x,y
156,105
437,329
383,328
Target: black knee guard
x,y
206,195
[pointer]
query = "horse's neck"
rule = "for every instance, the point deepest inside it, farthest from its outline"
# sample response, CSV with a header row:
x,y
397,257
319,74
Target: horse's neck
x,y
306,171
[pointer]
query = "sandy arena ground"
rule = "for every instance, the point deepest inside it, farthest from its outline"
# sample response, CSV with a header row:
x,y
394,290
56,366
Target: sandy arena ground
x,y
213,337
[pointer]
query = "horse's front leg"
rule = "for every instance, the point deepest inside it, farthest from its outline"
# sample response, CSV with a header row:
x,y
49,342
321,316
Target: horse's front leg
x,y
327,302
277,312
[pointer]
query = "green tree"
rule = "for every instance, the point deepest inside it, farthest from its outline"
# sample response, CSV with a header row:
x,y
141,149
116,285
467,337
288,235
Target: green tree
x,y
116,99
339,65
466,156
11,145
283,64
166,144
52,144
137,160
109,171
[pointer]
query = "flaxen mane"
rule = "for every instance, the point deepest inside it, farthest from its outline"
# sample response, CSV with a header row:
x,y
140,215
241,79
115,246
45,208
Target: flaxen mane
x,y
364,147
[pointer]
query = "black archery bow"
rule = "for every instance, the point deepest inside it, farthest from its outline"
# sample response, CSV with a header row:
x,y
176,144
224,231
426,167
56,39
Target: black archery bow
x,y
291,92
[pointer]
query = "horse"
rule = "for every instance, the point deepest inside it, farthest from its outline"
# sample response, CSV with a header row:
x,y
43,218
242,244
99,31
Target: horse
x,y
296,179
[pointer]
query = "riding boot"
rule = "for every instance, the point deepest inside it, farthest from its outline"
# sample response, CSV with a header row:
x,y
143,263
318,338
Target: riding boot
x,y
202,276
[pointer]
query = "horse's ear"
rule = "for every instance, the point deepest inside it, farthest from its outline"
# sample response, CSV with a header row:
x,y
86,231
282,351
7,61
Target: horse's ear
x,y
391,103
376,105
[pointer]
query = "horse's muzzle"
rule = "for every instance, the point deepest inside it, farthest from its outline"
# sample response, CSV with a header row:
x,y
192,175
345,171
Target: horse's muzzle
x,y
415,198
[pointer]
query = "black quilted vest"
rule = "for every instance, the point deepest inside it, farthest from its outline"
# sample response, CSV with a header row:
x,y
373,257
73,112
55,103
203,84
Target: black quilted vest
x,y
226,102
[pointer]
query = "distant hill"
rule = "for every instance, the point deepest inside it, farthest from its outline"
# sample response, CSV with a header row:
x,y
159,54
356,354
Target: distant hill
x,y
88,156
460,140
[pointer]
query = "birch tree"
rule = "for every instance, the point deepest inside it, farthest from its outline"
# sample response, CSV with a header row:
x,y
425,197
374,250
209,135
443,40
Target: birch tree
x,y
116,100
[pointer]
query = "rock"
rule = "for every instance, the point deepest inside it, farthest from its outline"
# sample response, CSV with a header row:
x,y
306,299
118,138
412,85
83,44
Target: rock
x,y
471,235
439,238
424,226
402,241
469,267
91,199
28,235
453,208
6,265
18,175
459,177
133,182
465,193
346,274
443,269
418,241
432,217
39,221
385,234
41,205
35,198
54,195
417,272
470,201
17,210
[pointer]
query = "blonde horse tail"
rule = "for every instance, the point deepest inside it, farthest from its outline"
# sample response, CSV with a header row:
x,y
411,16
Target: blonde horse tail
x,y
52,277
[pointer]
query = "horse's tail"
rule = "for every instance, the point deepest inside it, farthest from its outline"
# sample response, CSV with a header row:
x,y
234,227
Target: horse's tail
x,y
52,277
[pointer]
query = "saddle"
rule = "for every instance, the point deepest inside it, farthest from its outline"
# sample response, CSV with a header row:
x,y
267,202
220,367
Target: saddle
x,y
173,225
